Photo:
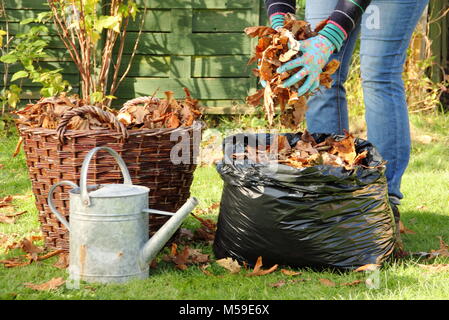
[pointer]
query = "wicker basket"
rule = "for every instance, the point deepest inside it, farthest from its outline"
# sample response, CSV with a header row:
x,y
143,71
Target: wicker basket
x,y
146,153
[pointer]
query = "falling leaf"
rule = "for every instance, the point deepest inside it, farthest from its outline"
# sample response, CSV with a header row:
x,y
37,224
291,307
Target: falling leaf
x,y
52,284
258,271
327,282
229,264
368,267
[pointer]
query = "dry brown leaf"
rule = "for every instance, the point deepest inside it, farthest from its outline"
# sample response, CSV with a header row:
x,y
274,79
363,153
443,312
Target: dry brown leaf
x,y
258,271
196,256
435,267
63,261
278,284
28,247
405,230
6,219
10,218
327,282
52,284
345,149
290,272
259,31
6,201
17,149
204,270
368,267
49,255
442,251
20,261
352,283
229,264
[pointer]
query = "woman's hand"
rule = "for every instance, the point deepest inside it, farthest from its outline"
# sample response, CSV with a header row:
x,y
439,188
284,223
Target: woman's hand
x,y
315,55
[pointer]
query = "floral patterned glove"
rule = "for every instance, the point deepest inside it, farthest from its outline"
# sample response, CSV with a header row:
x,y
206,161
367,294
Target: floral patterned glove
x,y
277,20
315,55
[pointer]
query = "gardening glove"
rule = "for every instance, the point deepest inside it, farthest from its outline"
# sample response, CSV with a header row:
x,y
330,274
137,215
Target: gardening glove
x,y
315,55
277,20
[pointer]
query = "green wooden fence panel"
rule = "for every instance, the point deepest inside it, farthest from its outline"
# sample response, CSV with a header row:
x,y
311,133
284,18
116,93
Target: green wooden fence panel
x,y
58,57
198,44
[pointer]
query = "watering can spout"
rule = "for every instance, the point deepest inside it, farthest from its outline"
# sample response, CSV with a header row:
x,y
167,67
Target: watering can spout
x,y
161,237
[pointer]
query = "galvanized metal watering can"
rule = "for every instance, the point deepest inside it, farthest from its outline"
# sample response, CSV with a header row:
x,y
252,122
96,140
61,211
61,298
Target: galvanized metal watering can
x,y
109,227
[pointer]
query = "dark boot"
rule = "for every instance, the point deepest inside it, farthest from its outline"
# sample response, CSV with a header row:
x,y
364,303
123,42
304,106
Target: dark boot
x,y
399,245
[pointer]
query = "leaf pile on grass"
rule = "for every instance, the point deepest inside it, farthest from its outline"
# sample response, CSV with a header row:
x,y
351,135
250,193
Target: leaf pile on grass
x,y
273,49
307,152
165,113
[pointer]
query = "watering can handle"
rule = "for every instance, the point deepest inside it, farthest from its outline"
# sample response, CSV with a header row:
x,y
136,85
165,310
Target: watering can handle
x,y
52,206
83,181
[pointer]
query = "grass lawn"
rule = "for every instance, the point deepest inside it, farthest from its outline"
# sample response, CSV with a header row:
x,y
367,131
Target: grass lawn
x,y
424,210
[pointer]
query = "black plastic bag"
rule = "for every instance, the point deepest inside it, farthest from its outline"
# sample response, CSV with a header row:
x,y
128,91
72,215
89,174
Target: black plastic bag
x,y
316,217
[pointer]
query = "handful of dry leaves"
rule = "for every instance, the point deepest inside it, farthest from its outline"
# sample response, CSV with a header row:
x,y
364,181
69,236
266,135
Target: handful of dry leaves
x,y
307,152
152,113
273,49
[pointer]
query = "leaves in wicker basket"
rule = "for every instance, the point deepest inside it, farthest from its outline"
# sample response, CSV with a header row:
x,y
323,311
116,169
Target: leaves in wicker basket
x,y
46,112
272,50
165,113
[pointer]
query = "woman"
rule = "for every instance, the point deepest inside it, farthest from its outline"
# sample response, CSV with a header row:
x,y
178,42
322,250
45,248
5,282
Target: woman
x,y
383,50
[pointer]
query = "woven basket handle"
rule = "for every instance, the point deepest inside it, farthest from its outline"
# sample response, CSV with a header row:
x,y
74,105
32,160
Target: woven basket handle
x,y
139,101
103,116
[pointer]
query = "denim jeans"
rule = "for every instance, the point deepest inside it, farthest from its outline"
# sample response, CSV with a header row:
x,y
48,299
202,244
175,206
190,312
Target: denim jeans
x,y
385,32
